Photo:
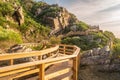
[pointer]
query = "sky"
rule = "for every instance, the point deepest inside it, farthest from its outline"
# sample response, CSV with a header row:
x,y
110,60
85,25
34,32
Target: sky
x,y
105,13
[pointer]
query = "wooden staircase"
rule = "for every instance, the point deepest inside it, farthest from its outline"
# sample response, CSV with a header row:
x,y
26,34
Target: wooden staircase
x,y
80,33
61,63
77,33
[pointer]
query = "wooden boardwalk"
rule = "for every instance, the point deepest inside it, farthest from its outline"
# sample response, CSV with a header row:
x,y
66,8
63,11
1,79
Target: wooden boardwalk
x,y
79,33
61,63
57,72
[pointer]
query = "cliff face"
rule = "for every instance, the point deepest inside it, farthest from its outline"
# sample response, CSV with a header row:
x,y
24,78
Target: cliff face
x,y
54,16
59,22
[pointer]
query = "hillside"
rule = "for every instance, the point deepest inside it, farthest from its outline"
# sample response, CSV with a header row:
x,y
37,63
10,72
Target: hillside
x,y
27,21
30,21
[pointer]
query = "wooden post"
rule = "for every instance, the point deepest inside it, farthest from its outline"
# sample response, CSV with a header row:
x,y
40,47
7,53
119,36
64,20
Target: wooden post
x,y
74,49
78,60
75,68
49,54
42,72
40,57
11,62
64,49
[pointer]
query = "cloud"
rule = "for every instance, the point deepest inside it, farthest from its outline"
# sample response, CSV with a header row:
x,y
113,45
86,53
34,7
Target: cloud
x,y
113,26
113,8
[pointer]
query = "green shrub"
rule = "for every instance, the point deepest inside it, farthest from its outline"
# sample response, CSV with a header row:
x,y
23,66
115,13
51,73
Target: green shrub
x,y
51,11
27,4
116,41
55,40
2,21
81,26
100,35
109,35
9,35
23,28
39,47
31,24
85,43
5,8
116,50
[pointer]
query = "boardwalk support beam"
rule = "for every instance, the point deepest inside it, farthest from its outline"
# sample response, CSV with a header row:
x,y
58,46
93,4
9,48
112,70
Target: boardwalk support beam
x,y
75,68
42,72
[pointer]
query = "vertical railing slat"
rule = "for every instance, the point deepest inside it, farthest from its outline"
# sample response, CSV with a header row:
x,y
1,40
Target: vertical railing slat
x,y
64,49
11,62
40,57
42,72
75,68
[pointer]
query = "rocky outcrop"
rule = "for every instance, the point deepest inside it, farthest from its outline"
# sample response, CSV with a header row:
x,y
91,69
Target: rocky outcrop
x,y
59,22
97,64
18,15
38,11
18,48
22,48
54,16
64,18
101,57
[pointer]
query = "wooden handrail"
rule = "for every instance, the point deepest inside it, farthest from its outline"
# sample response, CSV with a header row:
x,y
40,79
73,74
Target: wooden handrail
x,y
42,63
28,64
27,54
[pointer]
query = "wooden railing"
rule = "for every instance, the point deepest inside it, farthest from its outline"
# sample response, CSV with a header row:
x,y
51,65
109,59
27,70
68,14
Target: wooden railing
x,y
80,33
77,33
46,58
31,44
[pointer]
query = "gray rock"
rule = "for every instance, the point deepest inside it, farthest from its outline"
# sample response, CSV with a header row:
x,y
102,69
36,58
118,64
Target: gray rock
x,y
101,57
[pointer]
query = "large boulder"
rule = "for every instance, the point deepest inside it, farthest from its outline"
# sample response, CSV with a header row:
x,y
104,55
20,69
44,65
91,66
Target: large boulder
x,y
18,15
18,48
